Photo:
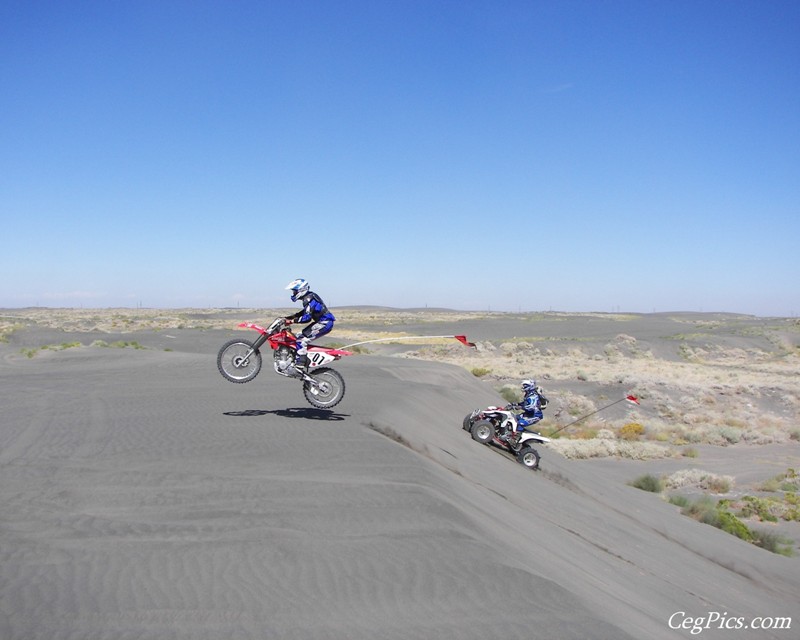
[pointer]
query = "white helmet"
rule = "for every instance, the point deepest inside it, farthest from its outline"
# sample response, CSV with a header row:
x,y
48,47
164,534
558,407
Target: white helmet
x,y
528,385
298,287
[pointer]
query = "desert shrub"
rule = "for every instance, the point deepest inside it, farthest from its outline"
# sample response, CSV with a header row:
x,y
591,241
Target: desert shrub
x,y
30,353
669,412
689,452
730,435
6,330
510,393
648,482
789,480
772,485
122,344
753,436
737,423
62,346
729,523
679,500
792,507
699,478
719,484
631,431
605,434
576,405
695,436
772,542
703,510
761,508
480,372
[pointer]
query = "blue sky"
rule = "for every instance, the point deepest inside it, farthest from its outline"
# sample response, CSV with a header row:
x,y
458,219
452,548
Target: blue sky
x,y
522,156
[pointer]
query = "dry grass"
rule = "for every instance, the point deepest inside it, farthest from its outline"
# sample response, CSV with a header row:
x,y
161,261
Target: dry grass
x,y
715,395
709,382
603,448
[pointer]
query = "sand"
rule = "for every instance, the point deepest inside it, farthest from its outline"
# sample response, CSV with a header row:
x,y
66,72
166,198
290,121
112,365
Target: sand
x,y
146,497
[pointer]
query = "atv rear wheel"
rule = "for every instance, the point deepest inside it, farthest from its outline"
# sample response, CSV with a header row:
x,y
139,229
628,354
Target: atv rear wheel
x,y
482,431
467,423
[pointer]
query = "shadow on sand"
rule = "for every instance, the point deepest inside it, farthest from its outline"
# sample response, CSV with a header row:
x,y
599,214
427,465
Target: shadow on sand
x,y
307,413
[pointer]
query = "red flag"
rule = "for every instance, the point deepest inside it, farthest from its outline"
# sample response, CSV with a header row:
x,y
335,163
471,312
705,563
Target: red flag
x,y
632,399
463,340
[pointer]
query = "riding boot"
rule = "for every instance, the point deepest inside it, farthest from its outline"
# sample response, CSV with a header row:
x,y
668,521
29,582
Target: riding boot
x,y
301,363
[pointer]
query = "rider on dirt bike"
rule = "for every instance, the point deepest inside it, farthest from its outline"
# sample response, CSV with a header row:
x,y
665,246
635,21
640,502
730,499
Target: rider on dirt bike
x,y
313,311
531,406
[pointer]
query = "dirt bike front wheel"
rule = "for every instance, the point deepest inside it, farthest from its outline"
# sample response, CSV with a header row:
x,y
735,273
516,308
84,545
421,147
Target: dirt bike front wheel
x,y
238,362
327,390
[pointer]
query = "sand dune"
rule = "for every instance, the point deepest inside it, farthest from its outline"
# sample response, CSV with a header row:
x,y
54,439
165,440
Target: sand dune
x,y
145,497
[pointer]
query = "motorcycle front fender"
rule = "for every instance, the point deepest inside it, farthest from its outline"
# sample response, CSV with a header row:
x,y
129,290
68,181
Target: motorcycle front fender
x,y
532,437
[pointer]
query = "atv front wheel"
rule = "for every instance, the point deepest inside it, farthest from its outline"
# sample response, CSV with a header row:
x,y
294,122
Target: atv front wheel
x,y
529,457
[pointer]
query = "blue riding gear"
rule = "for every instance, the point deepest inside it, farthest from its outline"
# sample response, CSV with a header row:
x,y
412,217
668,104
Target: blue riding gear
x,y
530,405
314,311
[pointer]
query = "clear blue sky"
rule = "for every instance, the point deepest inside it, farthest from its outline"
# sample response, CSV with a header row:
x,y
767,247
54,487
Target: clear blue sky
x,y
568,155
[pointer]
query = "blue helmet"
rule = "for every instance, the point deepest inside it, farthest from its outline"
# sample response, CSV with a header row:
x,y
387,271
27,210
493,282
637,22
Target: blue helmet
x,y
299,288
528,386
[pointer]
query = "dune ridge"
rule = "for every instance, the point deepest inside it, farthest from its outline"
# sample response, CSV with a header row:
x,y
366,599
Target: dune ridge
x,y
145,497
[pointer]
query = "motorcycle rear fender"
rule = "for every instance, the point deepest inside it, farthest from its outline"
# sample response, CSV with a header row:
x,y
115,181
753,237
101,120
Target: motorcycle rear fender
x,y
337,353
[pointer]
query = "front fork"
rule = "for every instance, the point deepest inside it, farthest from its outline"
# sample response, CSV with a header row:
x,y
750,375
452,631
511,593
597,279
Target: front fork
x,y
257,344
259,341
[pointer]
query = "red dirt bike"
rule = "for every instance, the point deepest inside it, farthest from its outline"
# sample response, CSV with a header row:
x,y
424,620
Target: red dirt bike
x,y
240,361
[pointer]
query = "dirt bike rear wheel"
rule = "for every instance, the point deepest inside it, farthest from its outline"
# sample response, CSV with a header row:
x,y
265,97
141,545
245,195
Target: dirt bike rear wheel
x,y
238,362
327,390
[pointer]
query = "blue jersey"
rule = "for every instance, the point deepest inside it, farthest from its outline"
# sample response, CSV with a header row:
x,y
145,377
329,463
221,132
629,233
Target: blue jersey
x,y
314,309
531,410
531,403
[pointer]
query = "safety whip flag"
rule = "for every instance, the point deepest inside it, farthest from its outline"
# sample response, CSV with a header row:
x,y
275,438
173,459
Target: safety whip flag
x,y
462,339
630,398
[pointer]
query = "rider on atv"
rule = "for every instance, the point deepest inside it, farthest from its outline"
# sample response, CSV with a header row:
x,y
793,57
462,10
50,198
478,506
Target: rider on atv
x,y
313,311
531,405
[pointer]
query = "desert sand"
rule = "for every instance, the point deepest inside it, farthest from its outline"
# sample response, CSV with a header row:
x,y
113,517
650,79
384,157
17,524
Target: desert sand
x,y
143,496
